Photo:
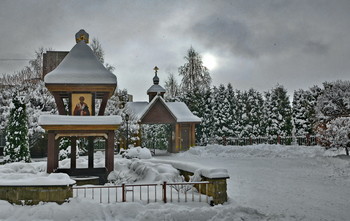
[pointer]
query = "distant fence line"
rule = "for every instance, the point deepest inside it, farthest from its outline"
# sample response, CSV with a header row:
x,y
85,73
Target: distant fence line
x,y
282,140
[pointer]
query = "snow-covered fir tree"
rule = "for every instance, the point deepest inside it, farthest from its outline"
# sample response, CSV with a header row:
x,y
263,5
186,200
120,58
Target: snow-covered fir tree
x,y
252,103
221,112
334,100
278,113
204,131
156,136
304,115
338,133
17,144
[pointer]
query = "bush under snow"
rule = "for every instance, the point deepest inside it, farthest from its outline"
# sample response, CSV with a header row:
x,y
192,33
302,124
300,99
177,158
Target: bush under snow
x,y
137,152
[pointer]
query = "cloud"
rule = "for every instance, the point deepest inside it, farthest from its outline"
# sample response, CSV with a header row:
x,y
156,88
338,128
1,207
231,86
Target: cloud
x,y
257,43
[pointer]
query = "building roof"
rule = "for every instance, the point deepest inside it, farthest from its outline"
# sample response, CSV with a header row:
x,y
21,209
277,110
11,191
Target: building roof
x,y
80,66
63,120
156,88
178,110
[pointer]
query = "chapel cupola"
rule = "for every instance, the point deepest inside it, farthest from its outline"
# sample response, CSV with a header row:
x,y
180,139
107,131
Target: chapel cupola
x,y
155,89
82,35
81,74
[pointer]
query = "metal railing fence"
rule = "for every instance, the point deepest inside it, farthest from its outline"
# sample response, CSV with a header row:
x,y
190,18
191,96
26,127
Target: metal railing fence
x,y
166,192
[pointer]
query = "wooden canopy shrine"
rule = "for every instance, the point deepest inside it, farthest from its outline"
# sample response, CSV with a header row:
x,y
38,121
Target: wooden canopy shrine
x,y
158,111
76,83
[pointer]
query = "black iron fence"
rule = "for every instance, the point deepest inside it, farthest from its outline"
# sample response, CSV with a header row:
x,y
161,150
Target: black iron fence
x,y
165,192
282,140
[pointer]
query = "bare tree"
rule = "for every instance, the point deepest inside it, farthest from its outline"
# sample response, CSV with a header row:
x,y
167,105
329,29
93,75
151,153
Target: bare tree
x,y
171,87
195,76
99,52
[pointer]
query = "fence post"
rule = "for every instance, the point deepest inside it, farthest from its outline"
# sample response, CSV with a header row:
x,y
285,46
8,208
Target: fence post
x,y
123,193
251,140
164,192
278,139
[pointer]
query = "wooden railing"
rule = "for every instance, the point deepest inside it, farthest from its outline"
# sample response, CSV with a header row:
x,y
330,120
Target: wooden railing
x,y
166,192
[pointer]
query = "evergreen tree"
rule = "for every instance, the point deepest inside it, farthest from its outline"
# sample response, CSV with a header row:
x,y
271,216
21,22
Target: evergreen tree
x,y
204,131
239,111
252,102
304,112
17,145
278,113
334,100
221,112
231,120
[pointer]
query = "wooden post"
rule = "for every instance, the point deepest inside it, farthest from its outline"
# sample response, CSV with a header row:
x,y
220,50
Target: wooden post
x,y
103,104
123,193
57,142
109,153
50,152
73,154
90,152
164,192
193,135
177,138
59,102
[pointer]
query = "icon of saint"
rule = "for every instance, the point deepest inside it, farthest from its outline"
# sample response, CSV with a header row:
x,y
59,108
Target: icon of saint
x,y
81,109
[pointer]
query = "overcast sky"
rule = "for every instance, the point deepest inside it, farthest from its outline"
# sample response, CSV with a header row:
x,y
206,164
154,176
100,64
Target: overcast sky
x,y
252,44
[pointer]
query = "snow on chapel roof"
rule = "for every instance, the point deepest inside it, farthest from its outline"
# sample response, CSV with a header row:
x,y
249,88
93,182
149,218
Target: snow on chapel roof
x,y
80,66
179,110
79,120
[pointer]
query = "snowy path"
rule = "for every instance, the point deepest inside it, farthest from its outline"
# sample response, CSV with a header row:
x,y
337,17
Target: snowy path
x,y
311,188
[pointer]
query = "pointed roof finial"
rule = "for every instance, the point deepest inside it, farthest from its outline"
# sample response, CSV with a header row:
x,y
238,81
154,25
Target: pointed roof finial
x,y
155,78
82,35
156,69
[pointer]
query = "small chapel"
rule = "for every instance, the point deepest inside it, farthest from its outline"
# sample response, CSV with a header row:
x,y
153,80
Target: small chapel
x,y
76,84
77,81
158,111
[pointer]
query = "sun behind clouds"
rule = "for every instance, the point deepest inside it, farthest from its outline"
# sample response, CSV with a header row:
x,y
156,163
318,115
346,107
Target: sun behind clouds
x,y
209,61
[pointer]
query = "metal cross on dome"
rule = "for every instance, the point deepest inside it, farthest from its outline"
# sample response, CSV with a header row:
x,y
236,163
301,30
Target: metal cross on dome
x,y
156,69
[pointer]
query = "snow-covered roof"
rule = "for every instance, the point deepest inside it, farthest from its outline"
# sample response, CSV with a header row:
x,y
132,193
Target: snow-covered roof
x,y
181,112
137,109
178,110
45,120
80,66
156,88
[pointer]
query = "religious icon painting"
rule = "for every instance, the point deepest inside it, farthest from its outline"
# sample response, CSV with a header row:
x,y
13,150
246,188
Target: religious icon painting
x,y
81,104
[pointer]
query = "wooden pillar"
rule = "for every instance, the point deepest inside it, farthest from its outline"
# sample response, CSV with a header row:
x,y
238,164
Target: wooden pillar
x,y
193,134
51,152
60,104
177,138
103,104
90,152
73,153
109,153
57,142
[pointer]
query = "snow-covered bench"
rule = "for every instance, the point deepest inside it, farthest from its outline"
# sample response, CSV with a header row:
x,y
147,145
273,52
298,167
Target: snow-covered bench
x,y
216,176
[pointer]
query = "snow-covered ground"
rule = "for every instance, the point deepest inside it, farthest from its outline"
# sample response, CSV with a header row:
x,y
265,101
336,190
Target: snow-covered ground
x,y
267,182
